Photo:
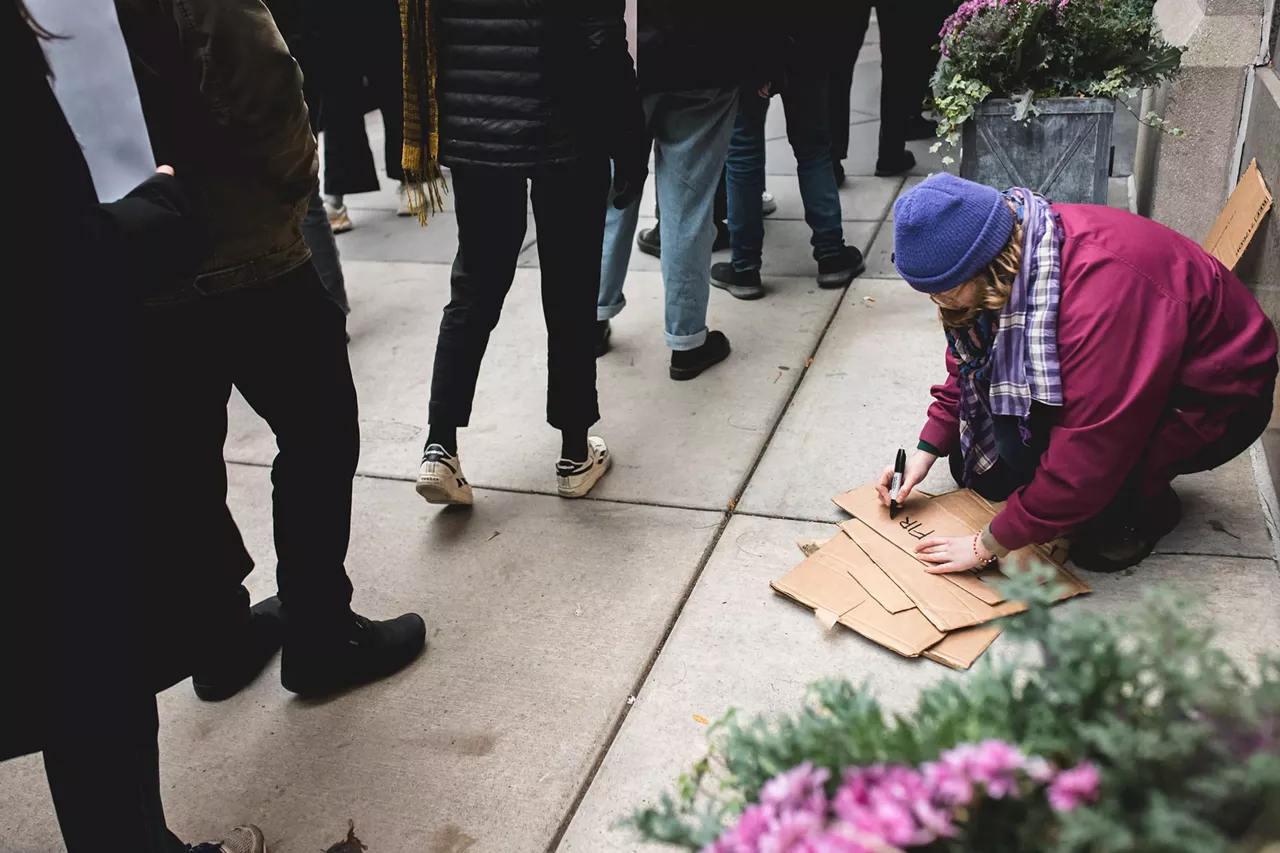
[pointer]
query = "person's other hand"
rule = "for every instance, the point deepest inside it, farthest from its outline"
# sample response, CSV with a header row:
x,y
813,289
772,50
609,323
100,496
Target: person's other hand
x,y
918,466
952,553
164,170
628,183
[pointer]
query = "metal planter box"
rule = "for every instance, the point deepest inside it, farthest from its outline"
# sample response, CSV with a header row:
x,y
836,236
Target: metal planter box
x,y
1063,152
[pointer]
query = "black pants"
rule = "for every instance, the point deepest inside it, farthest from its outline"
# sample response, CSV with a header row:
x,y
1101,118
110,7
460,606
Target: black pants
x,y
282,344
491,209
908,32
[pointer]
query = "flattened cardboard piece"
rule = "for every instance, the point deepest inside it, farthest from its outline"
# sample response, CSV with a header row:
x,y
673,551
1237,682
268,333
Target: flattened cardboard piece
x,y
960,649
1235,226
842,554
946,605
908,632
816,584
918,518
834,596
808,546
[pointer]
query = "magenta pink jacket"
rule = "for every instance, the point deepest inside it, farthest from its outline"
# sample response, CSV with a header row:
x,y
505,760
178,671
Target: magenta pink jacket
x,y
1159,344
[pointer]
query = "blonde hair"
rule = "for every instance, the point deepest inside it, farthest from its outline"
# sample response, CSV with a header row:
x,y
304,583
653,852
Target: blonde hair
x,y
993,285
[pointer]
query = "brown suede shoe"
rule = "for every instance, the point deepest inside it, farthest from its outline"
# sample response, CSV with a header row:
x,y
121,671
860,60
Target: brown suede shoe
x,y
1113,547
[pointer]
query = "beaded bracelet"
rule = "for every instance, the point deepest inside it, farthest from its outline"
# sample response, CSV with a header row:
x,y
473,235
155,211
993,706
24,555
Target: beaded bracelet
x,y
981,562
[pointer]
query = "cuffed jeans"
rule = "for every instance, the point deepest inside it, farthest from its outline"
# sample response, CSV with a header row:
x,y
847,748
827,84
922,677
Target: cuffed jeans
x,y
805,101
318,233
691,139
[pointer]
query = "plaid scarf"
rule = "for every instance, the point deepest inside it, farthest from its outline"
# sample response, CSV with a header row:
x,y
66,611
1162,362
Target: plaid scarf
x,y
1002,371
420,156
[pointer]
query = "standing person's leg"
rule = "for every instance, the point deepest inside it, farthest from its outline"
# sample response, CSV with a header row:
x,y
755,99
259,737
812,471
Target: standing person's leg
x,y
896,21
805,100
289,360
745,169
570,211
324,250
691,138
492,211
619,230
840,89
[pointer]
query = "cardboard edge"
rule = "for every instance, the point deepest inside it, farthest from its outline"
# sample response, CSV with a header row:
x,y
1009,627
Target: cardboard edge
x,y
961,649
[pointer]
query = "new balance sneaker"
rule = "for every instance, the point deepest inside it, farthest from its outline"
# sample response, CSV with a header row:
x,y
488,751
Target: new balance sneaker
x,y
768,206
440,478
740,285
402,193
575,479
242,839
839,270
339,220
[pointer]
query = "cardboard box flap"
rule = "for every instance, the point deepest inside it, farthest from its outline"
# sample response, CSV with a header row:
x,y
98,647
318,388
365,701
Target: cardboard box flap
x,y
908,632
817,585
961,648
843,554
946,605
808,546
1235,226
918,519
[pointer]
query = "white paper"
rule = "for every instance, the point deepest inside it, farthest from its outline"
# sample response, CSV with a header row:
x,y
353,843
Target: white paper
x,y
94,84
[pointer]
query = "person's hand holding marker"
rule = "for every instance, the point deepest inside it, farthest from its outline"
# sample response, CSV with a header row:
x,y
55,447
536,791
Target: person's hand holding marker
x,y
917,468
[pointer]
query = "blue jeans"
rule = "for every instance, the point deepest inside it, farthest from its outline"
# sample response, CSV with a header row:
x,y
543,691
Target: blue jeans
x,y
805,100
691,138
324,250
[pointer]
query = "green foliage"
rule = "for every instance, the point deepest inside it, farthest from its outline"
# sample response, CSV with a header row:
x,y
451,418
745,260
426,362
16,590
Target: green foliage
x,y
1030,49
1188,743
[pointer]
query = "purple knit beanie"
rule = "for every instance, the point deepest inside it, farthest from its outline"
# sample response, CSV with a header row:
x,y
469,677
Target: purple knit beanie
x,y
946,229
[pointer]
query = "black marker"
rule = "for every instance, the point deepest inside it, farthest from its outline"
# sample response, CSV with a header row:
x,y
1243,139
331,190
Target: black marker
x,y
899,468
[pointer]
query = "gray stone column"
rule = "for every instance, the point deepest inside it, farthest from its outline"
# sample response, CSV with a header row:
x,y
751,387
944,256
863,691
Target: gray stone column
x,y
1183,182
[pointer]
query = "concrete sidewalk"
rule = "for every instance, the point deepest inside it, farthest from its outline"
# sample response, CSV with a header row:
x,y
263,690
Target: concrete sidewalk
x,y
515,733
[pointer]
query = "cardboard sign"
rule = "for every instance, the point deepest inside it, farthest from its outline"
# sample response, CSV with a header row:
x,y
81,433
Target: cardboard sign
x,y
1239,220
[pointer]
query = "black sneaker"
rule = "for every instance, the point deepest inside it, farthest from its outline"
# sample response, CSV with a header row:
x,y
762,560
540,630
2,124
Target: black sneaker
x,y
838,168
686,364
839,270
245,655
361,651
892,165
649,241
603,332
741,285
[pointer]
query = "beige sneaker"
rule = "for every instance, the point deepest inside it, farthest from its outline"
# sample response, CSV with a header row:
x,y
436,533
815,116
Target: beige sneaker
x,y
405,209
339,221
244,839
575,479
440,478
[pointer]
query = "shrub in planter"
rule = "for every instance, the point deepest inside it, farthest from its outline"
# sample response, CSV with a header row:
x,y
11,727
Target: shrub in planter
x,y
1097,734
1020,52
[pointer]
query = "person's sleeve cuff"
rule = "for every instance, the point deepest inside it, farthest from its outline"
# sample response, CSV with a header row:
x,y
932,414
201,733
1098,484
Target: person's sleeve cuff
x,y
929,448
992,545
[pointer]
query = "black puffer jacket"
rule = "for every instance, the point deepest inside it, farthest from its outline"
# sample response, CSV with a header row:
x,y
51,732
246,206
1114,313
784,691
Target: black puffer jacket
x,y
533,85
687,45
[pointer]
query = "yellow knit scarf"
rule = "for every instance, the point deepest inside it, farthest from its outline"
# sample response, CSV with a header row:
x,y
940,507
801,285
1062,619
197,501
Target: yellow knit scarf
x,y
420,157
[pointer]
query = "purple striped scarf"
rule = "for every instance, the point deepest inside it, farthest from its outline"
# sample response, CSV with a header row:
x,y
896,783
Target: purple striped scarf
x,y
1024,359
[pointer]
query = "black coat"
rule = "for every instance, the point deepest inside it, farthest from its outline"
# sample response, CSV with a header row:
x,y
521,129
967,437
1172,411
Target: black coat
x,y
687,45
533,85
71,647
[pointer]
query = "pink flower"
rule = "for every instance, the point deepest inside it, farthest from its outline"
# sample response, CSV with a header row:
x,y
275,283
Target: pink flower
x,y
793,832
1039,770
1074,787
950,785
800,788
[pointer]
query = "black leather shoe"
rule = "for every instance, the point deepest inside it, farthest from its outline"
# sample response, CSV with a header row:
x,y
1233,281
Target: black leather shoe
x,y
1114,545
686,364
649,241
891,165
603,332
356,653
245,655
